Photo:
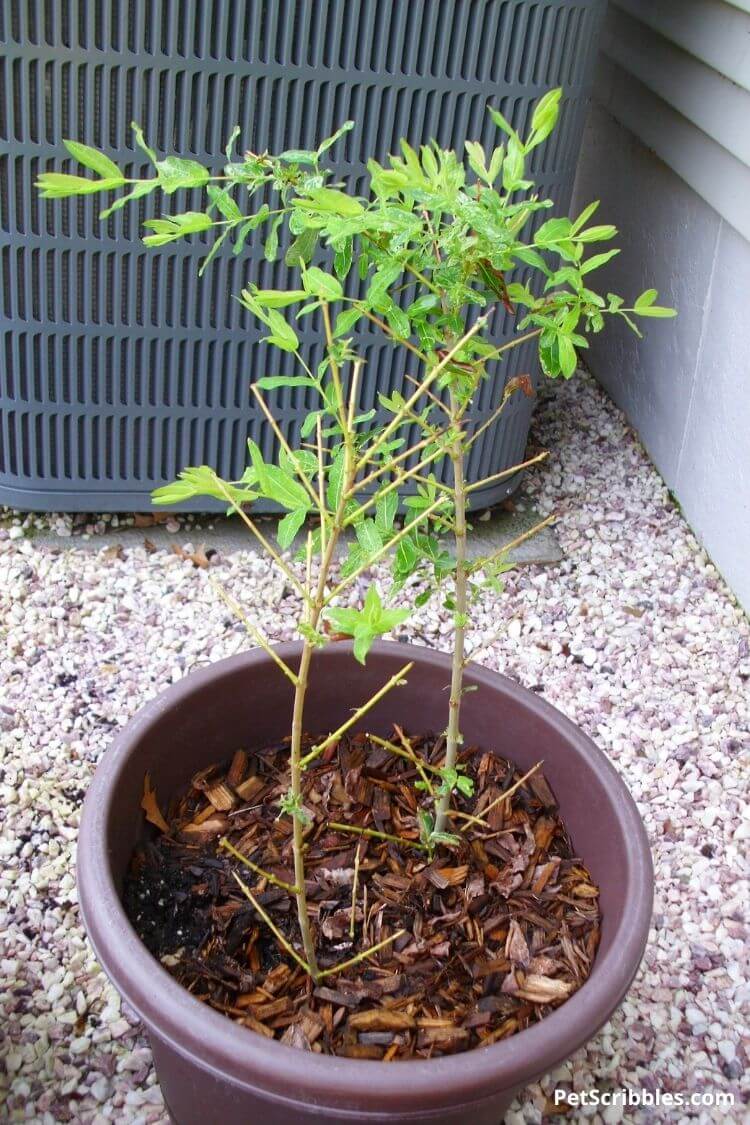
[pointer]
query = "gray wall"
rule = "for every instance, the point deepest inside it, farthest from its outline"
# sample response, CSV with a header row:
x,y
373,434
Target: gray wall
x,y
667,150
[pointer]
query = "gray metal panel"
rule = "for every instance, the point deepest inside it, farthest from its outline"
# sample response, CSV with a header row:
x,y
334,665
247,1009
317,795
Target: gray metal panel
x,y
676,73
120,366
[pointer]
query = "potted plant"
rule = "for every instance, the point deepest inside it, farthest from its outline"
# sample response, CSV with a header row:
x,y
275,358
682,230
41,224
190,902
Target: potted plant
x,y
416,898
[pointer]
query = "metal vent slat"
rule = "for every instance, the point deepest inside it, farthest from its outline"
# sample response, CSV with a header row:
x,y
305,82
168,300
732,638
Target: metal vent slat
x,y
120,366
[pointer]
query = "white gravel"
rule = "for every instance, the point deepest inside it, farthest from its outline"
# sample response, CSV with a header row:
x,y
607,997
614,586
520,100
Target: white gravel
x,y
634,636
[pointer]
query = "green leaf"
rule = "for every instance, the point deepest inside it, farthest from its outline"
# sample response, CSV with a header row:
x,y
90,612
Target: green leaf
x,y
58,185
381,282
513,165
385,512
289,526
310,423
552,232
368,537
302,249
175,172
427,303
502,122
201,481
597,260
277,298
330,141
335,487
531,258
342,258
282,335
230,143
477,160
366,624
584,216
322,284
496,163
568,358
398,321
597,234
271,382
660,311
141,141
298,156
330,201
271,247
284,489
172,227
95,160
143,188
406,558
545,116
248,226
646,298
345,321
224,203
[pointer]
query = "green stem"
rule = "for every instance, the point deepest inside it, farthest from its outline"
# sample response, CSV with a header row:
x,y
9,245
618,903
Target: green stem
x,y
453,732
373,834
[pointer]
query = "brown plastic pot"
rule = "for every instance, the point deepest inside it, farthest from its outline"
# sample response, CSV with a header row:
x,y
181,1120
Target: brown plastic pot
x,y
212,1070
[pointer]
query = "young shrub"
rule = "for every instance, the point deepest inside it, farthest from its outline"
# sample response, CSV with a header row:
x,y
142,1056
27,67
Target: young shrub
x,y
440,249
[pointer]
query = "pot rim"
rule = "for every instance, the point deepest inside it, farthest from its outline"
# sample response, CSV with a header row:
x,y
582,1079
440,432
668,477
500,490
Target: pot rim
x,y
195,1030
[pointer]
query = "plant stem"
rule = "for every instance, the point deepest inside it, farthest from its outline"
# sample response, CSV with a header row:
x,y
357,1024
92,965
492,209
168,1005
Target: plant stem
x,y
453,732
273,928
401,753
250,524
480,564
315,608
412,756
394,681
373,834
355,883
290,453
298,827
224,843
362,956
251,629
505,473
503,797
421,518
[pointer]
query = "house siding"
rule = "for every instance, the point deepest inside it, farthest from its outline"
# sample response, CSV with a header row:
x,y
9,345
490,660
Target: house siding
x,y
667,150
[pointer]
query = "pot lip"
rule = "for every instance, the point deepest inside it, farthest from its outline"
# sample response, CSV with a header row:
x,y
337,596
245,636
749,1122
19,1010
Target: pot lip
x,y
216,1044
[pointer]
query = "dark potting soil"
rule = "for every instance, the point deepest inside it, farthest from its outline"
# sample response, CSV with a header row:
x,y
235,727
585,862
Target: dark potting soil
x,y
499,929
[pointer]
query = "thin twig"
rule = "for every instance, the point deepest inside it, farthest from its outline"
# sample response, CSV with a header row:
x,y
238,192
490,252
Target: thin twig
x,y
373,834
428,380
354,890
509,472
433,398
503,797
388,331
224,843
395,681
401,477
421,518
274,929
414,759
480,564
399,752
321,484
361,956
252,630
286,571
286,447
388,465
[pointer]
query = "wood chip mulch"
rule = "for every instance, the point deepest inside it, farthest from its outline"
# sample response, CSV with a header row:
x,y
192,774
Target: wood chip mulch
x,y
499,931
